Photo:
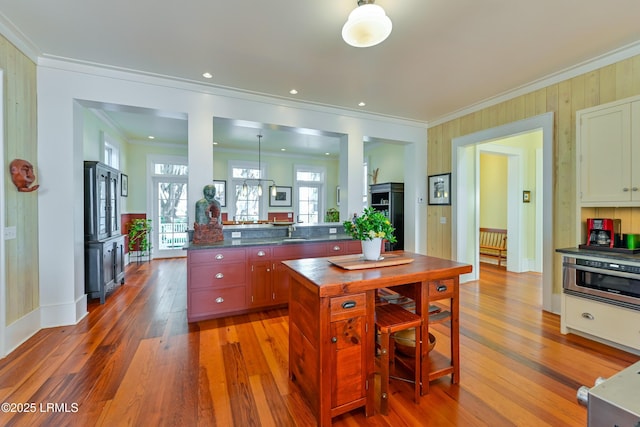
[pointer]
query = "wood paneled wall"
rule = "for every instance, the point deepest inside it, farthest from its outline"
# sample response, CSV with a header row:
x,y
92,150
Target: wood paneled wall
x,y
607,84
21,209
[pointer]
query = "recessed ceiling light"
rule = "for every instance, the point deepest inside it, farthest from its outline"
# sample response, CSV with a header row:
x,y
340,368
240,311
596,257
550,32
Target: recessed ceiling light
x,y
215,143
207,75
362,104
293,92
327,154
151,137
283,149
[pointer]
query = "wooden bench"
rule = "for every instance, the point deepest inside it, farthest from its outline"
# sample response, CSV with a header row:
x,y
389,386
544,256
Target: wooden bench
x,y
493,243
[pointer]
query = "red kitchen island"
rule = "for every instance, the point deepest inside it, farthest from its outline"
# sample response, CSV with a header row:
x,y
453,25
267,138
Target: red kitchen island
x,y
332,330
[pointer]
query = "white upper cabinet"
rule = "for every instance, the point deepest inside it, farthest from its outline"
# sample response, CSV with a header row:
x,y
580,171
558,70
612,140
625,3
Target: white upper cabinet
x,y
608,150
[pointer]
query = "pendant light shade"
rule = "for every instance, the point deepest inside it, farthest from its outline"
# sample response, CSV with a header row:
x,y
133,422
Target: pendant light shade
x,y
368,25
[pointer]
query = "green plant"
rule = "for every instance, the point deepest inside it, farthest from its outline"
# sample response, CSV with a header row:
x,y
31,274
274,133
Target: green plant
x,y
139,230
333,215
369,225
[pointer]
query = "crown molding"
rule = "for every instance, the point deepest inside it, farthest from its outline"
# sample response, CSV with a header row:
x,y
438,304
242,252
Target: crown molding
x,y
18,39
604,60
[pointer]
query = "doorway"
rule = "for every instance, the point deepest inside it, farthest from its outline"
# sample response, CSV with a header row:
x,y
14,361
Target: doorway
x,y
168,206
465,216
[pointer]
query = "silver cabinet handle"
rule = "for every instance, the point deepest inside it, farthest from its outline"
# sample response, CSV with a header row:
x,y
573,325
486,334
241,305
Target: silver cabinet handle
x,y
634,189
336,248
625,189
219,256
219,276
219,300
261,253
588,316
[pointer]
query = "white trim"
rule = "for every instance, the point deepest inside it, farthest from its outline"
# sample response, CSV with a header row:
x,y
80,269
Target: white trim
x,y
19,39
463,176
3,259
321,185
21,330
609,58
152,160
109,71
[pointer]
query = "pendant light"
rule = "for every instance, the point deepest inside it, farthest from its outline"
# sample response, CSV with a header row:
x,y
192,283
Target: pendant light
x,y
259,180
367,25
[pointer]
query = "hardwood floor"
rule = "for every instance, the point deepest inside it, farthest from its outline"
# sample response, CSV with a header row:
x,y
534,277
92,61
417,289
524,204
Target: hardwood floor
x,y
135,361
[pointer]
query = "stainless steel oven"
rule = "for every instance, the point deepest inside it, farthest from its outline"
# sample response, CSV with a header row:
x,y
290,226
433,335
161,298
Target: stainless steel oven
x,y
606,280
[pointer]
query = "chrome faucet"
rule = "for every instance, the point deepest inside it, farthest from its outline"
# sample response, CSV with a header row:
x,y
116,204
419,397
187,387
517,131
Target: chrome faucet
x,y
290,230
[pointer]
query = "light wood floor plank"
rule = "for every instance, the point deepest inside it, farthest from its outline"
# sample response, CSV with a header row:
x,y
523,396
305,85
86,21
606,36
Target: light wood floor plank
x,y
136,361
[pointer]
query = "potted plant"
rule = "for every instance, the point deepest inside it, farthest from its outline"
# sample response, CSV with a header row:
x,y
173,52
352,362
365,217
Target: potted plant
x,y
333,215
139,230
370,228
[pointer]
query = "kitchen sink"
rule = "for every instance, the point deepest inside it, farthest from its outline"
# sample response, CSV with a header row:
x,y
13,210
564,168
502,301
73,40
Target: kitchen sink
x,y
294,239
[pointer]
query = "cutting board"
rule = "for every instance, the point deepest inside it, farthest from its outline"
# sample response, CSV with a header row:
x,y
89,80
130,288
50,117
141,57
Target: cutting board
x,y
356,262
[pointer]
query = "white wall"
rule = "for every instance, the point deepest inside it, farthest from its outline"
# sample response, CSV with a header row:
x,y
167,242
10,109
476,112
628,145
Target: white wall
x,y
60,155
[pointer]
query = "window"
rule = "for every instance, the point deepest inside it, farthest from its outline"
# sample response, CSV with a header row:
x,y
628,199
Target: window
x,y
169,211
310,190
111,155
247,205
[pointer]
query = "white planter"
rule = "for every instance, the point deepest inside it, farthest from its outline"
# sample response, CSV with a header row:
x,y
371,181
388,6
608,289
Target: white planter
x,y
371,249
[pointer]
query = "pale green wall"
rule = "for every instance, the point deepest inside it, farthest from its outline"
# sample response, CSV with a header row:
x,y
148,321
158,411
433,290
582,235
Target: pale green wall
x,y
493,186
20,262
94,130
493,191
389,159
136,169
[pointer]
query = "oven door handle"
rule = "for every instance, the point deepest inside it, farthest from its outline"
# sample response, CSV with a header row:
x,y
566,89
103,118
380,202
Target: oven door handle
x,y
632,276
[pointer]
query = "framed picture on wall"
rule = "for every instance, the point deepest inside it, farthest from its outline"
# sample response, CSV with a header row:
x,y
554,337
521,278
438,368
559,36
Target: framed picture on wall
x,y
282,196
221,191
124,185
440,189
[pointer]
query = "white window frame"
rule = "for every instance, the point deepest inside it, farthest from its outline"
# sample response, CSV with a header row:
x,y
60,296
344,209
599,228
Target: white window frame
x,y
110,151
152,177
322,188
231,185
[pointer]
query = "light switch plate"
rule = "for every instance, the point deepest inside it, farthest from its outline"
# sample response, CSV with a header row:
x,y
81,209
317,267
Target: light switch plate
x,y
10,233
333,230
443,220
236,234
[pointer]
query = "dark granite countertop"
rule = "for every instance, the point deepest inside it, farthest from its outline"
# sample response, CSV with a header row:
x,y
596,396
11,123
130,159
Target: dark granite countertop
x,y
269,241
601,253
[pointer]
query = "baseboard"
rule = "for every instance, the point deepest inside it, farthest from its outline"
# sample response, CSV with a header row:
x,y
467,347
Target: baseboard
x,y
21,330
63,314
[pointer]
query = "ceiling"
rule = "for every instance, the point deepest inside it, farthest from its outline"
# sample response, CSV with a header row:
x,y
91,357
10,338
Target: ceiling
x,y
441,57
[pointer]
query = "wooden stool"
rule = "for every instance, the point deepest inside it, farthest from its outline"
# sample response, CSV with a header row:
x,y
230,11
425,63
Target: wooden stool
x,y
391,318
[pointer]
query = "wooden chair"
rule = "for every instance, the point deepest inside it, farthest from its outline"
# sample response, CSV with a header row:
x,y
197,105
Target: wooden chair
x,y
391,318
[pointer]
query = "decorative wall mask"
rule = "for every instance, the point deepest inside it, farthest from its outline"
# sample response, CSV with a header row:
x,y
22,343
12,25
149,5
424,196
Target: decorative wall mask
x,y
22,175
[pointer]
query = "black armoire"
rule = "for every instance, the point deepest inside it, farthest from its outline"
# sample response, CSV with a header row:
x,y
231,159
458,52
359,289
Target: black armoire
x,y
104,244
388,198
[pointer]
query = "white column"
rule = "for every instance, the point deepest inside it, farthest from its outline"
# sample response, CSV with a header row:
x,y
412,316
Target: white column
x,y
200,142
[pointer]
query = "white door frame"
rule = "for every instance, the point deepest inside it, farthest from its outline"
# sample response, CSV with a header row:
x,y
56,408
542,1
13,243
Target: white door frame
x,y
152,198
464,201
515,244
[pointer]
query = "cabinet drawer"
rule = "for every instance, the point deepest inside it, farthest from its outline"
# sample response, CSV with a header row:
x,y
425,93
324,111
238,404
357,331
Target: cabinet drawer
x,y
299,250
216,275
348,306
607,321
344,247
214,301
259,253
440,289
217,256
